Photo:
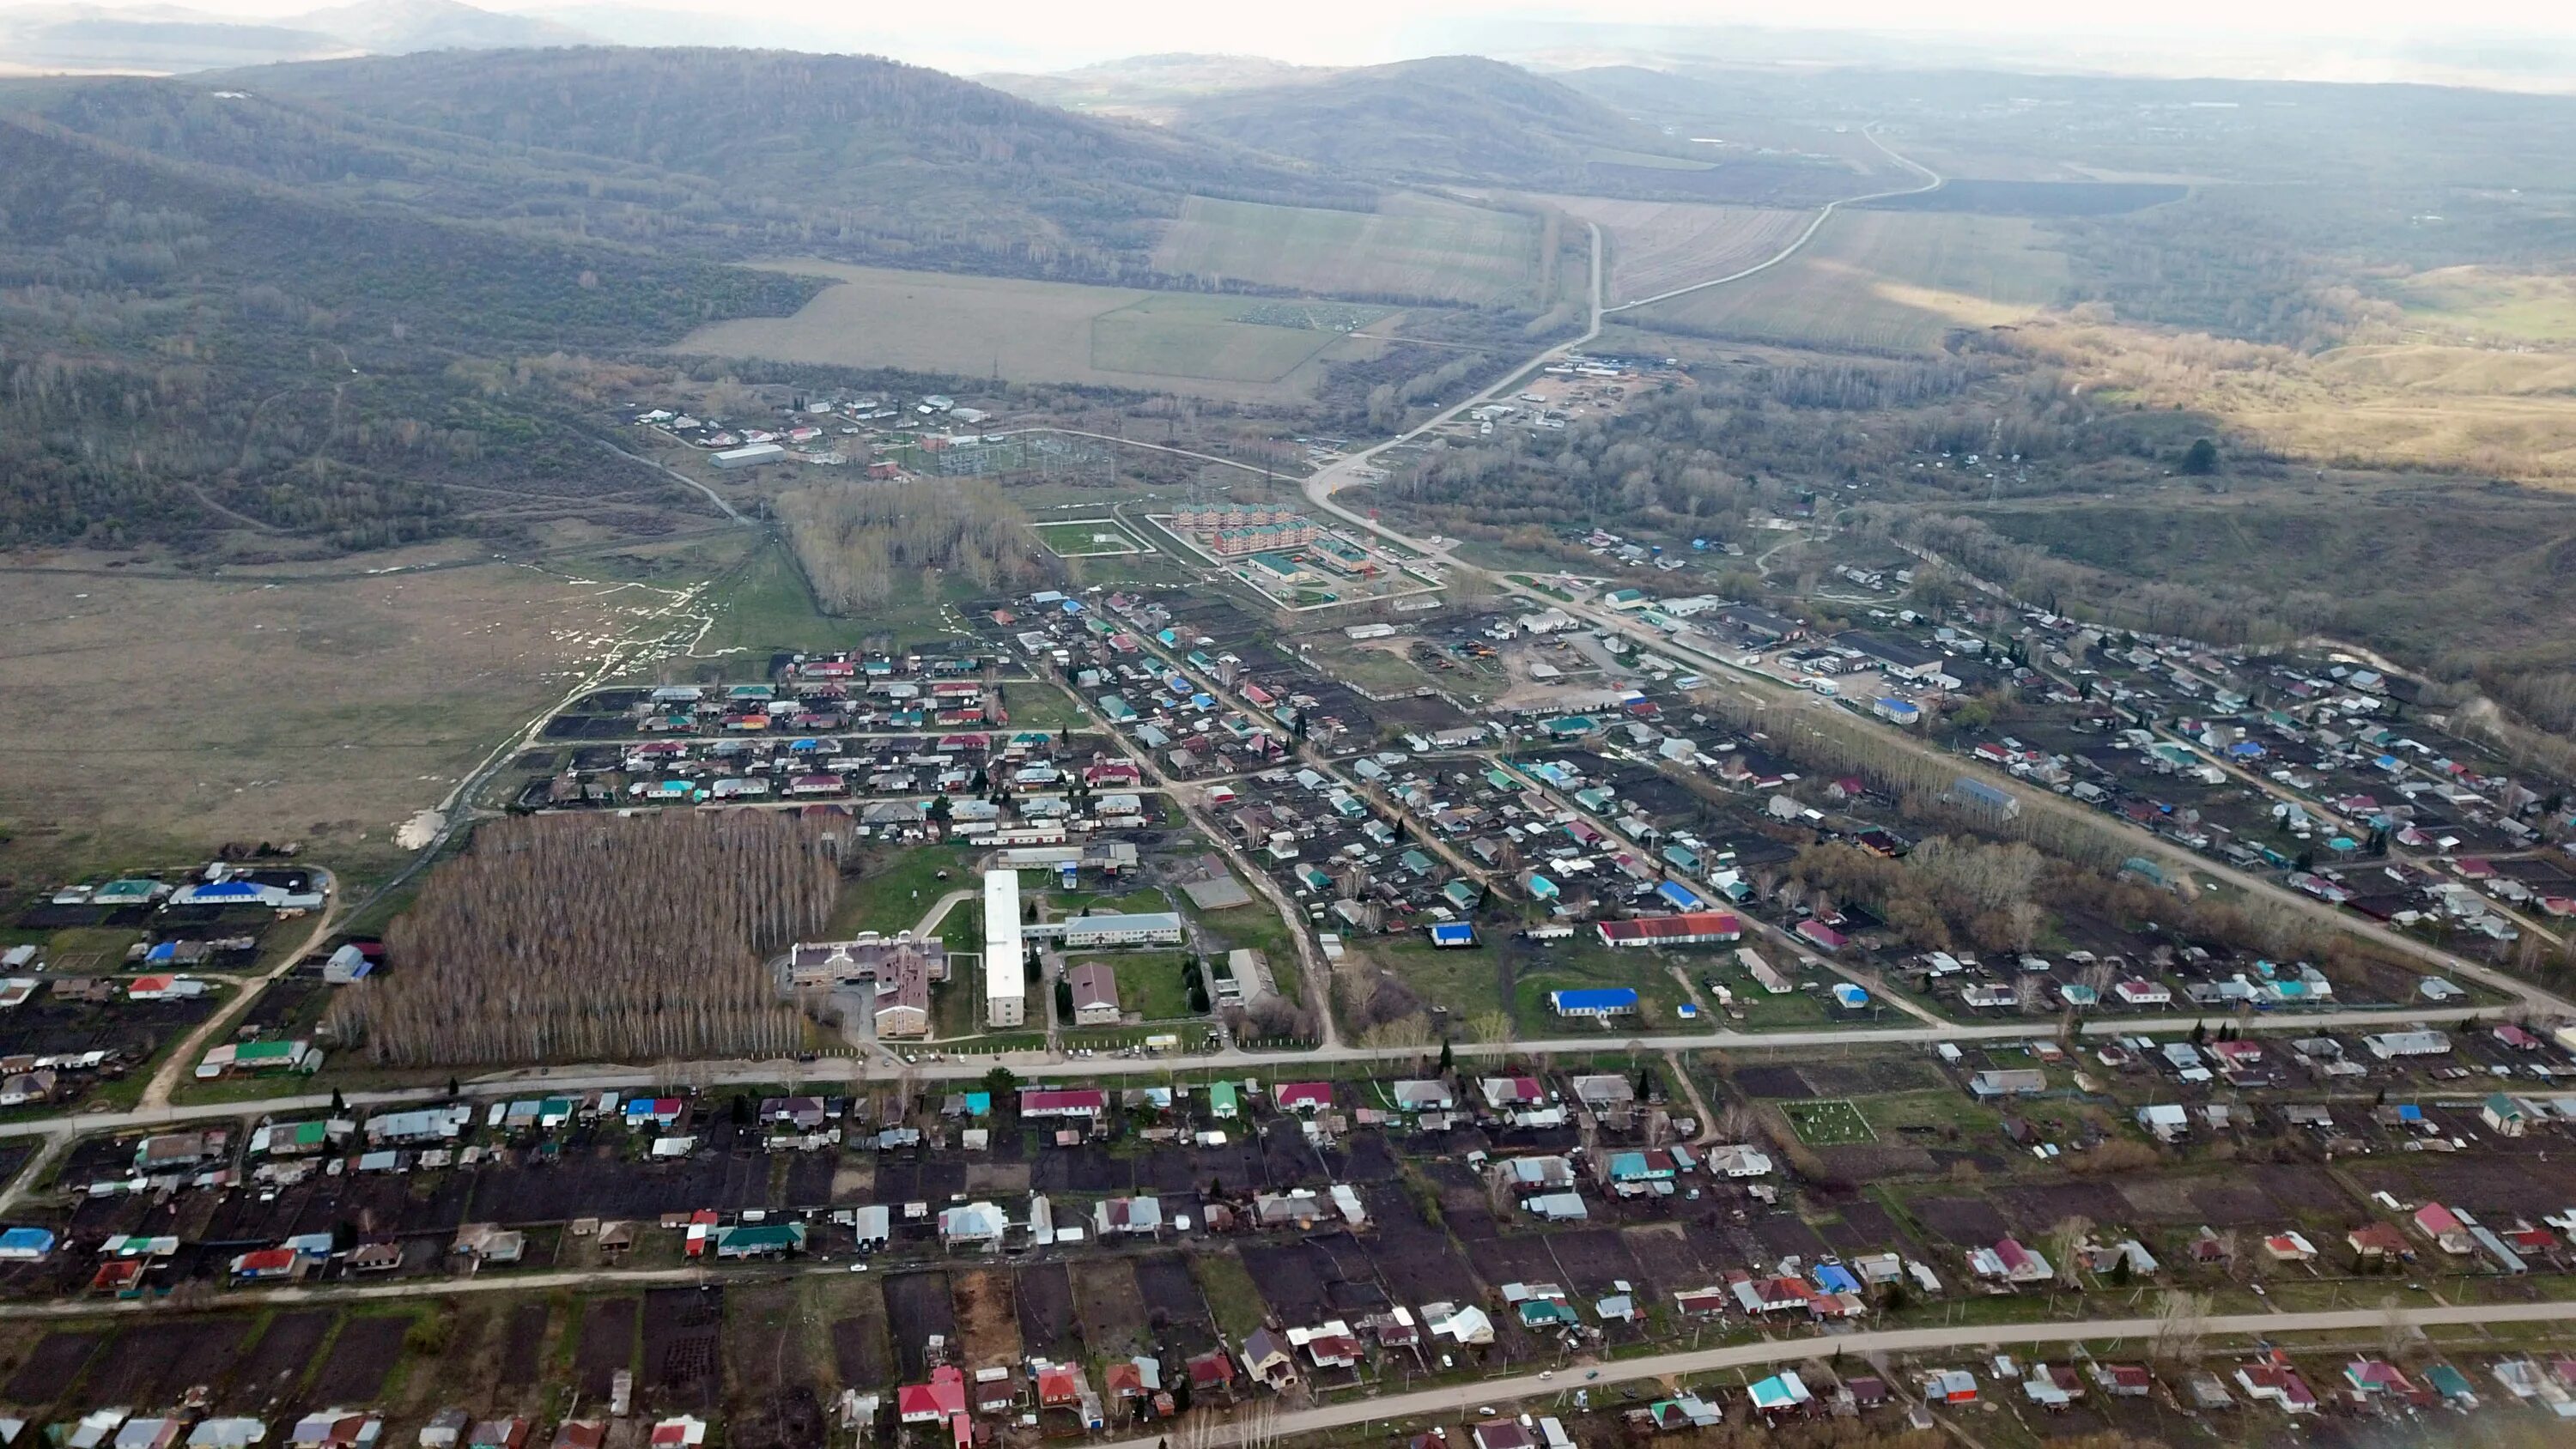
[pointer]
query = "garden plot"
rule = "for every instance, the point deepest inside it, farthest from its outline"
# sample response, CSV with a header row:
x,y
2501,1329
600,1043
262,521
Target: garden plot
x,y
1828,1122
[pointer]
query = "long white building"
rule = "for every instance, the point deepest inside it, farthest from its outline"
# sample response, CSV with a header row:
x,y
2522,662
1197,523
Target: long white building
x,y
1006,982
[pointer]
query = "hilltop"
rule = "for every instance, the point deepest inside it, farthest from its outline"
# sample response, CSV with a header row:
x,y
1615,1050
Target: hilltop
x,y
1450,118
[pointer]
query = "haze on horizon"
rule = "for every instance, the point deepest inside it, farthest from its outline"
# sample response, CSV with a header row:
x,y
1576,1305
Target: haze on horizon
x,y
2510,43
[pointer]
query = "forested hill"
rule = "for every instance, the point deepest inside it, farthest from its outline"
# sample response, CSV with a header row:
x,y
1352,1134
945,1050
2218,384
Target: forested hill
x,y
1447,118
178,346
714,152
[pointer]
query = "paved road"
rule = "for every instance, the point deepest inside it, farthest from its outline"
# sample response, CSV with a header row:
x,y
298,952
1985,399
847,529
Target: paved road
x,y
1450,1405
609,1076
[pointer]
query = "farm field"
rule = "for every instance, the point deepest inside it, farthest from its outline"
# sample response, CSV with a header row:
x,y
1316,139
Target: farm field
x,y
1655,246
1412,246
1038,332
1881,281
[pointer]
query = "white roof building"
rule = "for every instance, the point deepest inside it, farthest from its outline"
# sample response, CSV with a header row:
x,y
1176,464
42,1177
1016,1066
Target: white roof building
x,y
1006,986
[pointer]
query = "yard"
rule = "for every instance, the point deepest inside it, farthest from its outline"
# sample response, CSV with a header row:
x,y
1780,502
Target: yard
x,y
893,888
1149,982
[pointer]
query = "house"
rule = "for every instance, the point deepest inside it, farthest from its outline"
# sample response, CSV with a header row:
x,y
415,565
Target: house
x,y
760,1240
1503,1434
1271,1359
2272,1379
25,1244
2123,1380
2052,1387
1428,1095
2377,1379
1305,1097
1086,1102
2444,1228
1505,1094
940,1401
2503,1115
1209,1371
1950,1386
2018,1082
972,1225
2290,1247
499,1434
445,1429
267,1265
1095,993
1132,1216
338,1429
1599,1003
2376,1242
681,1431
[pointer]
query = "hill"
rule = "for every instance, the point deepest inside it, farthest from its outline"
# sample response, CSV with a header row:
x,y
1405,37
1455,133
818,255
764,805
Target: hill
x,y
718,152
1152,87
1451,118
183,351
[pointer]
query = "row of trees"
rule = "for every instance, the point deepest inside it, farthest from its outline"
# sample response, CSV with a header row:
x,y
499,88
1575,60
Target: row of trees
x,y
577,938
858,543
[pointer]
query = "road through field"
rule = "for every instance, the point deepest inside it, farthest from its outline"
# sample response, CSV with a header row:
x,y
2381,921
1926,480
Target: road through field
x,y
1932,180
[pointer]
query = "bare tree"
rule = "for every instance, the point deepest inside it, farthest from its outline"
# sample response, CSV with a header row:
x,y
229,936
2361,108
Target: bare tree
x,y
2182,1320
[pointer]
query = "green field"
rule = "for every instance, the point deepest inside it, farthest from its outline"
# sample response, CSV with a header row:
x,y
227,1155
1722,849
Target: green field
x,y
1828,1122
1027,331
1412,246
2493,305
1094,538
1149,982
1881,281
1175,334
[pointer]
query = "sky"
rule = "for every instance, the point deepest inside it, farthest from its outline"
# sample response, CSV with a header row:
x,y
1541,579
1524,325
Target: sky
x,y
1050,34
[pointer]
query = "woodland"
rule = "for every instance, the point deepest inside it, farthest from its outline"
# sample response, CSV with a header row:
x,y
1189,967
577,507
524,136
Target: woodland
x,y
576,938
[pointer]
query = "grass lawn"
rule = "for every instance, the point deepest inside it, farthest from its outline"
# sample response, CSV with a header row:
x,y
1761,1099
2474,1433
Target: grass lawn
x,y
1231,1294
1941,1110
894,888
1099,537
1037,705
1148,982
1574,966
1257,927
1828,1122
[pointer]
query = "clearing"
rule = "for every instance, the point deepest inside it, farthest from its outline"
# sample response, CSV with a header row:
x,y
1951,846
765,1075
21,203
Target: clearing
x,y
322,703
1655,246
2493,305
1043,332
1881,281
1412,246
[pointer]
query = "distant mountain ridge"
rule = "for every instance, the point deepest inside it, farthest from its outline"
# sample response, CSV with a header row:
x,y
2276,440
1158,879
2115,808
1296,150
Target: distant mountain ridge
x,y
171,39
